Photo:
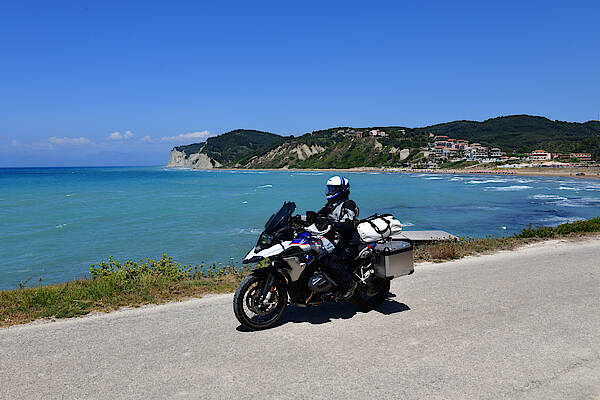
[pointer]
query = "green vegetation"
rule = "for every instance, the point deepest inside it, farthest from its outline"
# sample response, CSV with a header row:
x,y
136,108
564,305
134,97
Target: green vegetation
x,y
130,284
114,285
586,226
235,146
457,164
525,133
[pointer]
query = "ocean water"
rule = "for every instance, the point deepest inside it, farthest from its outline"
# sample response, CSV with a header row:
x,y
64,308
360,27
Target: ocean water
x,y
56,222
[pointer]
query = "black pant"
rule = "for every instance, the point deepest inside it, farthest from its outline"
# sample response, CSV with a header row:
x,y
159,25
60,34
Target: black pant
x,y
335,264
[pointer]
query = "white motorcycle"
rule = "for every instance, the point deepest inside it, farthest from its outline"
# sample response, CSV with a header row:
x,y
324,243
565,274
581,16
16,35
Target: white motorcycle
x,y
295,274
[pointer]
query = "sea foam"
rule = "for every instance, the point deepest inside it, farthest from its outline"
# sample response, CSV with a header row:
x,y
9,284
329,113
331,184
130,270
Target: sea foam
x,y
513,188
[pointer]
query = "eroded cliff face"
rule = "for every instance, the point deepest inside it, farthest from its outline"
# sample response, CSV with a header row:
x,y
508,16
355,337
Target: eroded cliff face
x,y
282,156
195,160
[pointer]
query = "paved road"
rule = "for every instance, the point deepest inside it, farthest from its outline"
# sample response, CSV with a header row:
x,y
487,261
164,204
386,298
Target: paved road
x,y
514,325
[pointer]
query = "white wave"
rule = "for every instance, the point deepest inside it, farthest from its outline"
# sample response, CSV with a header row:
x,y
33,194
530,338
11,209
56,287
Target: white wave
x,y
244,202
556,220
265,186
508,188
407,223
455,179
569,188
307,173
547,197
434,178
60,226
70,195
524,180
503,228
475,182
580,202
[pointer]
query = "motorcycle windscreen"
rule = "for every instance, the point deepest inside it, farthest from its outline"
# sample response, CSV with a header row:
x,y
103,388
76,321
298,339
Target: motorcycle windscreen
x,y
281,218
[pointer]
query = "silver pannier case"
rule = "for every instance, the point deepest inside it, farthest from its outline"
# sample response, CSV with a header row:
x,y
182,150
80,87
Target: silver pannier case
x,y
393,259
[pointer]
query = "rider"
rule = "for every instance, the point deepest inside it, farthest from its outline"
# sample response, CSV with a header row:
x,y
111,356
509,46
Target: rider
x,y
342,214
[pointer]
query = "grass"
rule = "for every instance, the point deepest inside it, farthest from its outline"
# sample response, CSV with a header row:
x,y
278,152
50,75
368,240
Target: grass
x,y
114,285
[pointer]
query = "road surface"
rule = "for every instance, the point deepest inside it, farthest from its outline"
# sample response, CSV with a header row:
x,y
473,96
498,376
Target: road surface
x,y
514,325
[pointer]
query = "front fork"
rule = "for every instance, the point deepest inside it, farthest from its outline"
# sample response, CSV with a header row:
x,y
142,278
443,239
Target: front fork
x,y
268,289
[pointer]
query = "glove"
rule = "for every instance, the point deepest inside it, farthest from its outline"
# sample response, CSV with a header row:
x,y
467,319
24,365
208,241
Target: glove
x,y
311,217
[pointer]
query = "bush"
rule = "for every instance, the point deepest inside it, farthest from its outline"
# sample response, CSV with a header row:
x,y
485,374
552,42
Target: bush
x,y
587,226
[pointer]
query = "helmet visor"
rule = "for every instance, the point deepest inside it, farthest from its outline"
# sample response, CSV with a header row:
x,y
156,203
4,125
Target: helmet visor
x,y
332,189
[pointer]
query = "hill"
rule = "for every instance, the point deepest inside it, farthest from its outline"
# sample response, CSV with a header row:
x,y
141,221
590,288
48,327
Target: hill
x,y
524,133
347,147
228,149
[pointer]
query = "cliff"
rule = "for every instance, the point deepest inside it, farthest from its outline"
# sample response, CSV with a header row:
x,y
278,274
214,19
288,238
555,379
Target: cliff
x,y
178,158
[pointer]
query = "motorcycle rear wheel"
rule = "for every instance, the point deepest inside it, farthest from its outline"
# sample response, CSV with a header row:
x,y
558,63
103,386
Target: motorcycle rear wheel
x,y
364,301
251,311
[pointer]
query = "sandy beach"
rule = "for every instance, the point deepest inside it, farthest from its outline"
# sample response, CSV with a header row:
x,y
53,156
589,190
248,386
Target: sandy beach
x,y
589,173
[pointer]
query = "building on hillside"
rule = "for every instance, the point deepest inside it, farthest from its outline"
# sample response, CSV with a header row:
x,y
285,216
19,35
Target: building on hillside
x,y
480,153
377,132
540,155
560,156
496,152
582,156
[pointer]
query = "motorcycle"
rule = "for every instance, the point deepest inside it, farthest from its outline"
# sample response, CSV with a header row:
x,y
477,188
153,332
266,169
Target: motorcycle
x,y
291,251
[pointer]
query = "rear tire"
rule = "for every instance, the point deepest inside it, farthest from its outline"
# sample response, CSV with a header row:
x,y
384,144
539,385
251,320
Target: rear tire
x,y
365,302
248,308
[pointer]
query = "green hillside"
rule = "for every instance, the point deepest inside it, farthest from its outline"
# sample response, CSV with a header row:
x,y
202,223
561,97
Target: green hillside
x,y
231,147
524,133
346,147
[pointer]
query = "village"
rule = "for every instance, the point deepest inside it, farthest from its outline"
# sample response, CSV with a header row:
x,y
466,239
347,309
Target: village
x,y
445,149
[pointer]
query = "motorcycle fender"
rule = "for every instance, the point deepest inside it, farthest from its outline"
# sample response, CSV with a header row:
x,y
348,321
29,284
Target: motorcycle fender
x,y
279,274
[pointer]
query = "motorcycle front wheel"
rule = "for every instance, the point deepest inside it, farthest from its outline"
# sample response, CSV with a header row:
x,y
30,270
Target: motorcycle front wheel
x,y
255,311
367,298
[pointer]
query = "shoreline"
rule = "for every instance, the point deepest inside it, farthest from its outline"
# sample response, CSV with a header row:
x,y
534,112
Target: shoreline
x,y
548,172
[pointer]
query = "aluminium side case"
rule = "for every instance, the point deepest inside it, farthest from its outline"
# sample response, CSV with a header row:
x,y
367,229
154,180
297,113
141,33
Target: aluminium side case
x,y
393,259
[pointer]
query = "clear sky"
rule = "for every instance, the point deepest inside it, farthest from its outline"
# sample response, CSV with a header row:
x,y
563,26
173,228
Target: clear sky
x,y
121,82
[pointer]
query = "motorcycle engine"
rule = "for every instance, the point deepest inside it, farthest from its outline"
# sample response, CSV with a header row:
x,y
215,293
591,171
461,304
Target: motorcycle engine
x,y
319,284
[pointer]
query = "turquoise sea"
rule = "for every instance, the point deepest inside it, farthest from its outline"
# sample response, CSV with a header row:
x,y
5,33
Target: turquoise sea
x,y
56,222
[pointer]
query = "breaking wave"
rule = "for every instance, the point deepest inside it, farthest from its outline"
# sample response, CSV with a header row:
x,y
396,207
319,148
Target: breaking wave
x,y
547,197
509,188
580,202
476,182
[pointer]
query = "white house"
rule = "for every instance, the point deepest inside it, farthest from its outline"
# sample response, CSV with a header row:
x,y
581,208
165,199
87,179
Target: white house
x,y
540,155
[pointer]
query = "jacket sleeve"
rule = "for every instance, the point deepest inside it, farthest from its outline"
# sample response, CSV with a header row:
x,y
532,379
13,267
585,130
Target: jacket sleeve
x,y
348,218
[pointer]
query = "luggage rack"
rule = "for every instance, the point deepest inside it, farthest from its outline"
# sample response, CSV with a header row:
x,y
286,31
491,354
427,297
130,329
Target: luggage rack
x,y
419,237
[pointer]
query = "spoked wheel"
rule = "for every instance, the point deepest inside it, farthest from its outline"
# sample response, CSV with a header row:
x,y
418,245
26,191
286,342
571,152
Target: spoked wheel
x,y
254,310
369,297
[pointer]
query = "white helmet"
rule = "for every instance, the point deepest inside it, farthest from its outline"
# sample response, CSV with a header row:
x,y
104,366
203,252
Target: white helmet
x,y
337,186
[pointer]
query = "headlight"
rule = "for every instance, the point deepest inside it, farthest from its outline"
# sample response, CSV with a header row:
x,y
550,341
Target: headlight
x,y
265,240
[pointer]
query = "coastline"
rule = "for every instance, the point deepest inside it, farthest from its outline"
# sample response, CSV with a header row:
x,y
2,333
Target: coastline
x,y
590,173
70,300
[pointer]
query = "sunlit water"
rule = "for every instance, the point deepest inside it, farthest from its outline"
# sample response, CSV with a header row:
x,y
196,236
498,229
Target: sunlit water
x,y
56,222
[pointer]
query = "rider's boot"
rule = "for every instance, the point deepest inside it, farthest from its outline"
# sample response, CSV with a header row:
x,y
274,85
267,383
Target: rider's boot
x,y
349,291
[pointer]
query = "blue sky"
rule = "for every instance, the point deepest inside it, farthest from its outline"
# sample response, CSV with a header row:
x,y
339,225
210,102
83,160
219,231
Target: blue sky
x,y
115,83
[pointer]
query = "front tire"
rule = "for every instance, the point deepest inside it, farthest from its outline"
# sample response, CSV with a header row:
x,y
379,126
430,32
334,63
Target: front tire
x,y
251,310
369,298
